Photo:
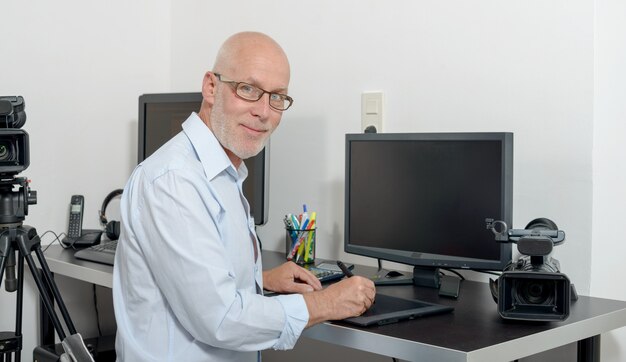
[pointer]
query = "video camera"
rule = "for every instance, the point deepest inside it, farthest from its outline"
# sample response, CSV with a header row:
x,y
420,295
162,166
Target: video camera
x,y
14,158
531,288
14,155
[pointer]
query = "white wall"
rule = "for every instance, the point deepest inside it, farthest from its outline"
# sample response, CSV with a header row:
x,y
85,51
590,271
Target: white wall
x,y
446,66
609,169
525,67
80,67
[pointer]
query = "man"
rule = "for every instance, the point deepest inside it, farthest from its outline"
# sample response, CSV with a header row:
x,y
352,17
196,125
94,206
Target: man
x,y
188,276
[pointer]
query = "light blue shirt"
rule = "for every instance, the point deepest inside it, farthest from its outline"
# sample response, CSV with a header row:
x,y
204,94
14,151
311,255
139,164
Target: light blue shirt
x,y
184,280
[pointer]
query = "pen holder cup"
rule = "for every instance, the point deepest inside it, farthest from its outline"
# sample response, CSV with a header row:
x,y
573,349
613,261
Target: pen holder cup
x,y
300,245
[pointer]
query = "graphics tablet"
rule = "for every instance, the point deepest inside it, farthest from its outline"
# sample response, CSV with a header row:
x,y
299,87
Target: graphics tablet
x,y
387,309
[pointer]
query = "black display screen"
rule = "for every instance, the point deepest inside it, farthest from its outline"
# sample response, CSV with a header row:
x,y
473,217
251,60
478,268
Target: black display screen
x,y
422,199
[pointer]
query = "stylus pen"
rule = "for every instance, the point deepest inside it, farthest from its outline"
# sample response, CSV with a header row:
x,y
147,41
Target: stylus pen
x,y
344,269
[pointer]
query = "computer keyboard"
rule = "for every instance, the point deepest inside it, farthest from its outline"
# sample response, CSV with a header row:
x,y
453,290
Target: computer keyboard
x,y
103,253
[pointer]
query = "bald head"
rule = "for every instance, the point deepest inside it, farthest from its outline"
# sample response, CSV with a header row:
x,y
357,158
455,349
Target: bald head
x,y
246,47
241,125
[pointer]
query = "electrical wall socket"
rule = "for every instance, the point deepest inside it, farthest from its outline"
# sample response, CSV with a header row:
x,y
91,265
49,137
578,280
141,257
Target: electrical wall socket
x,y
372,106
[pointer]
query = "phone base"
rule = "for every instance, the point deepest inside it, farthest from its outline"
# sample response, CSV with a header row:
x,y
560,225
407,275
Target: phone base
x,y
88,238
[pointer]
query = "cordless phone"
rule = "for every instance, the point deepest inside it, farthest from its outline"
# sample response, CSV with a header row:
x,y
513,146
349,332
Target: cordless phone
x,y
75,225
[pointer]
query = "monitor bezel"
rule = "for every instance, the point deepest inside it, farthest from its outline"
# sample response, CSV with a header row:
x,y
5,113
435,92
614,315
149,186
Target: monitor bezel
x,y
437,260
259,162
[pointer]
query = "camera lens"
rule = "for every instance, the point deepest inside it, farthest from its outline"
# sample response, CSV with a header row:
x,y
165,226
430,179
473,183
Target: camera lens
x,y
538,292
7,151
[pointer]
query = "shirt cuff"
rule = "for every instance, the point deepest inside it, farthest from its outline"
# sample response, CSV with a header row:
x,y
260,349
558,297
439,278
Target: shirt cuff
x,y
297,316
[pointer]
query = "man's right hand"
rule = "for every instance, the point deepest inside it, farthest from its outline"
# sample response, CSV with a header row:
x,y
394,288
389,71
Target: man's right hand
x,y
350,297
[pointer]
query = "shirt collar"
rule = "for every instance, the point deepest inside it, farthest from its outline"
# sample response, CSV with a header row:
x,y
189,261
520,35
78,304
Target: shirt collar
x,y
210,152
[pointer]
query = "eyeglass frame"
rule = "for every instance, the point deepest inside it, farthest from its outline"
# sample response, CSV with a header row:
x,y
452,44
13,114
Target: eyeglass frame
x,y
236,84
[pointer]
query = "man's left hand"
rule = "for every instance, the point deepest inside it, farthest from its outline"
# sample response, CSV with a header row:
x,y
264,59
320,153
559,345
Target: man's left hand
x,y
290,278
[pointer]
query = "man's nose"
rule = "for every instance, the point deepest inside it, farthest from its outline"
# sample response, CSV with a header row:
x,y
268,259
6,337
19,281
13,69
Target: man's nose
x,y
261,108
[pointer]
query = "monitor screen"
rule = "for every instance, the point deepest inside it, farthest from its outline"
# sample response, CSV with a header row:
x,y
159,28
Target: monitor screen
x,y
422,198
160,118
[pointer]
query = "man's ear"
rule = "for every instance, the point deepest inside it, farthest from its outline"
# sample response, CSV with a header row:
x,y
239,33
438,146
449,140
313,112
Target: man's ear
x,y
208,87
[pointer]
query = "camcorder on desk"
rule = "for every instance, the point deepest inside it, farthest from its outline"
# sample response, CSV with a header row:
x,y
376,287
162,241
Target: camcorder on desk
x,y
532,288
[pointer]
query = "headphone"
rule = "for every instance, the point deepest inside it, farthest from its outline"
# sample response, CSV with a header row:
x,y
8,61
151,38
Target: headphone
x,y
111,228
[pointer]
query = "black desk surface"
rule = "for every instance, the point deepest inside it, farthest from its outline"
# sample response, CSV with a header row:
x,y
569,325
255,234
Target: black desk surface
x,y
473,332
476,325
475,322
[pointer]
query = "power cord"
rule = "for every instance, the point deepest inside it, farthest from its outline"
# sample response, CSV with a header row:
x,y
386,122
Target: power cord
x,y
488,272
56,238
454,272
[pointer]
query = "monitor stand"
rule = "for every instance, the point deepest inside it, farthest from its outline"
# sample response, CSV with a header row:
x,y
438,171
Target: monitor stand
x,y
426,277
392,277
422,276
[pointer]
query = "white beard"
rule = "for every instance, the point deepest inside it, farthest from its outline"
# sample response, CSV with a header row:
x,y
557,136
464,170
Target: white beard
x,y
224,131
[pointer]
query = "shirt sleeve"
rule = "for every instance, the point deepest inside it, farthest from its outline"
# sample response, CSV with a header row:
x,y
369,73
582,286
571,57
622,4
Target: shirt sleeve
x,y
176,222
297,318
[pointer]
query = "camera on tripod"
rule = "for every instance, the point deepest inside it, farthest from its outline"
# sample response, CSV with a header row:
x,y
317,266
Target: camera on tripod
x,y
14,158
531,288
16,238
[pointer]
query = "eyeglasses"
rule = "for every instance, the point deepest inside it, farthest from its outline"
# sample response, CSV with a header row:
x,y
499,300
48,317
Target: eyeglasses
x,y
248,92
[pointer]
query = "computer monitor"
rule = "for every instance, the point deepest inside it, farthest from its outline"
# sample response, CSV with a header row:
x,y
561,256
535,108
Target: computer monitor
x,y
422,199
160,118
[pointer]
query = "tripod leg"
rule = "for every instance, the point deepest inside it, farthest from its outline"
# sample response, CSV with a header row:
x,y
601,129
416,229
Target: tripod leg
x,y
5,251
46,329
55,290
11,342
20,304
27,240
21,240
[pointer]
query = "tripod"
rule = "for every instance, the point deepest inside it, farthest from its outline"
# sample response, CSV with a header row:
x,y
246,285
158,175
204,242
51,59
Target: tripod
x,y
23,240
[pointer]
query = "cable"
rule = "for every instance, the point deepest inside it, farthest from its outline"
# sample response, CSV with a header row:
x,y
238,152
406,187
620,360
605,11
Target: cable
x,y
455,272
488,272
71,241
57,238
95,304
